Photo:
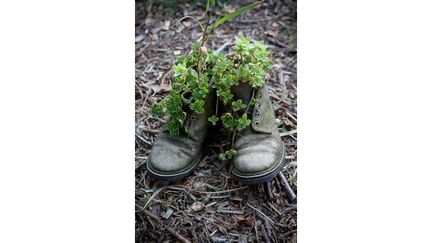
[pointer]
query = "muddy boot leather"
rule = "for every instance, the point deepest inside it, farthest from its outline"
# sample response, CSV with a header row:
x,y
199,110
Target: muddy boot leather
x,y
174,157
260,150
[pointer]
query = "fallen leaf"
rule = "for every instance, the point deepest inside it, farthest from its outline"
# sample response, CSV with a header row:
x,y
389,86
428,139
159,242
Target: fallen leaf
x,y
198,185
271,33
148,21
156,88
197,206
155,37
180,28
187,23
165,87
230,8
240,217
166,25
139,38
168,213
247,221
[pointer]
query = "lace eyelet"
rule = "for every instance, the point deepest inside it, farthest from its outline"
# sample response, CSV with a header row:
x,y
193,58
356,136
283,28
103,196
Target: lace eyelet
x,y
256,123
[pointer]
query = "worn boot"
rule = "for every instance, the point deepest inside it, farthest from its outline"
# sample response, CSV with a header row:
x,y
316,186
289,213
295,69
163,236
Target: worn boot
x,y
260,150
174,157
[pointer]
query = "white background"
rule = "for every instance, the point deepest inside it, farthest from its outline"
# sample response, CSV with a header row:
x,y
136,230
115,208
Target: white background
x,y
67,121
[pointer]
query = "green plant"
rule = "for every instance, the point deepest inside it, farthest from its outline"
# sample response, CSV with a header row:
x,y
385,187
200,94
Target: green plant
x,y
194,74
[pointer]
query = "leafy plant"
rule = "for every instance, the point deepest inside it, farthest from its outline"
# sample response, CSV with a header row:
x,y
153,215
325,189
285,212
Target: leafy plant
x,y
194,74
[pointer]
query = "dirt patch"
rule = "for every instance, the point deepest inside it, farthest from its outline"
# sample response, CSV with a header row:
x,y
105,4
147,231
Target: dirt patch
x,y
209,206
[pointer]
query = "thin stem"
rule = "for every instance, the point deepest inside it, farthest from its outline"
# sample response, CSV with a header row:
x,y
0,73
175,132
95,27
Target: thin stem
x,y
217,105
250,101
204,38
233,138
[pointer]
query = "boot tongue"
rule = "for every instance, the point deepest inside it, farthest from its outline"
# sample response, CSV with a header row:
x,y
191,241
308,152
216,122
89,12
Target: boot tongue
x,y
262,115
242,91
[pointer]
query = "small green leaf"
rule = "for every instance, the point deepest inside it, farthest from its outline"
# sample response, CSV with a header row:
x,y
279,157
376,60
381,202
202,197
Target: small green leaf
x,y
173,126
255,101
229,121
180,70
243,122
238,105
225,95
213,119
157,109
229,154
197,106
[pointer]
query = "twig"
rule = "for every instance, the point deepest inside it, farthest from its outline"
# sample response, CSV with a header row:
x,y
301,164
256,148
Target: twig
x,y
281,44
157,219
149,130
262,214
153,196
267,190
275,209
256,231
140,164
284,183
229,211
279,99
142,139
218,192
266,238
220,49
291,116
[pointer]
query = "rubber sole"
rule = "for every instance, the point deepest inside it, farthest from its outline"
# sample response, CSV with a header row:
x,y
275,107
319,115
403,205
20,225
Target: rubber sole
x,y
259,179
174,176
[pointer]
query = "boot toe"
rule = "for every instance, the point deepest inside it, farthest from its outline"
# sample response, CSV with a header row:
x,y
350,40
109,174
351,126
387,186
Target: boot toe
x,y
258,158
247,161
168,160
172,159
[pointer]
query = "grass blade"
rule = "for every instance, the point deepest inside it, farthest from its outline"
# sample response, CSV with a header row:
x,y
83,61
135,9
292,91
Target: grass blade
x,y
234,14
189,17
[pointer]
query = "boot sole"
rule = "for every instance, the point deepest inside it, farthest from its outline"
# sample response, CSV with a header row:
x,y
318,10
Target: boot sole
x,y
259,179
175,176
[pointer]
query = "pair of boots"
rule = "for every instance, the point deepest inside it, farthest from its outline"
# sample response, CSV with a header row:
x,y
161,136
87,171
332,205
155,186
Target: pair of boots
x,y
260,150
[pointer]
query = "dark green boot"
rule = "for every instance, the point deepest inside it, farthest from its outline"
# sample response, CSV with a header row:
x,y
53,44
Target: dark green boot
x,y
174,157
260,150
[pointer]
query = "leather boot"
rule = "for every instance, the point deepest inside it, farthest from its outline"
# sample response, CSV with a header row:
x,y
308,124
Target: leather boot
x,y
260,150
174,157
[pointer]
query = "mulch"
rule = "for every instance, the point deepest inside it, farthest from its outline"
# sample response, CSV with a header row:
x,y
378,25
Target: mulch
x,y
208,205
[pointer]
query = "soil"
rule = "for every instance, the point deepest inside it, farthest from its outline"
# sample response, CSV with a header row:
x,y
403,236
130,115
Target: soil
x,y
208,205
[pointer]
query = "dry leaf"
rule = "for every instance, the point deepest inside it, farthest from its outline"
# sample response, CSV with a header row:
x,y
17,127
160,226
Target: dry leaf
x,y
187,23
155,37
139,38
156,88
197,206
165,87
166,25
271,33
247,221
